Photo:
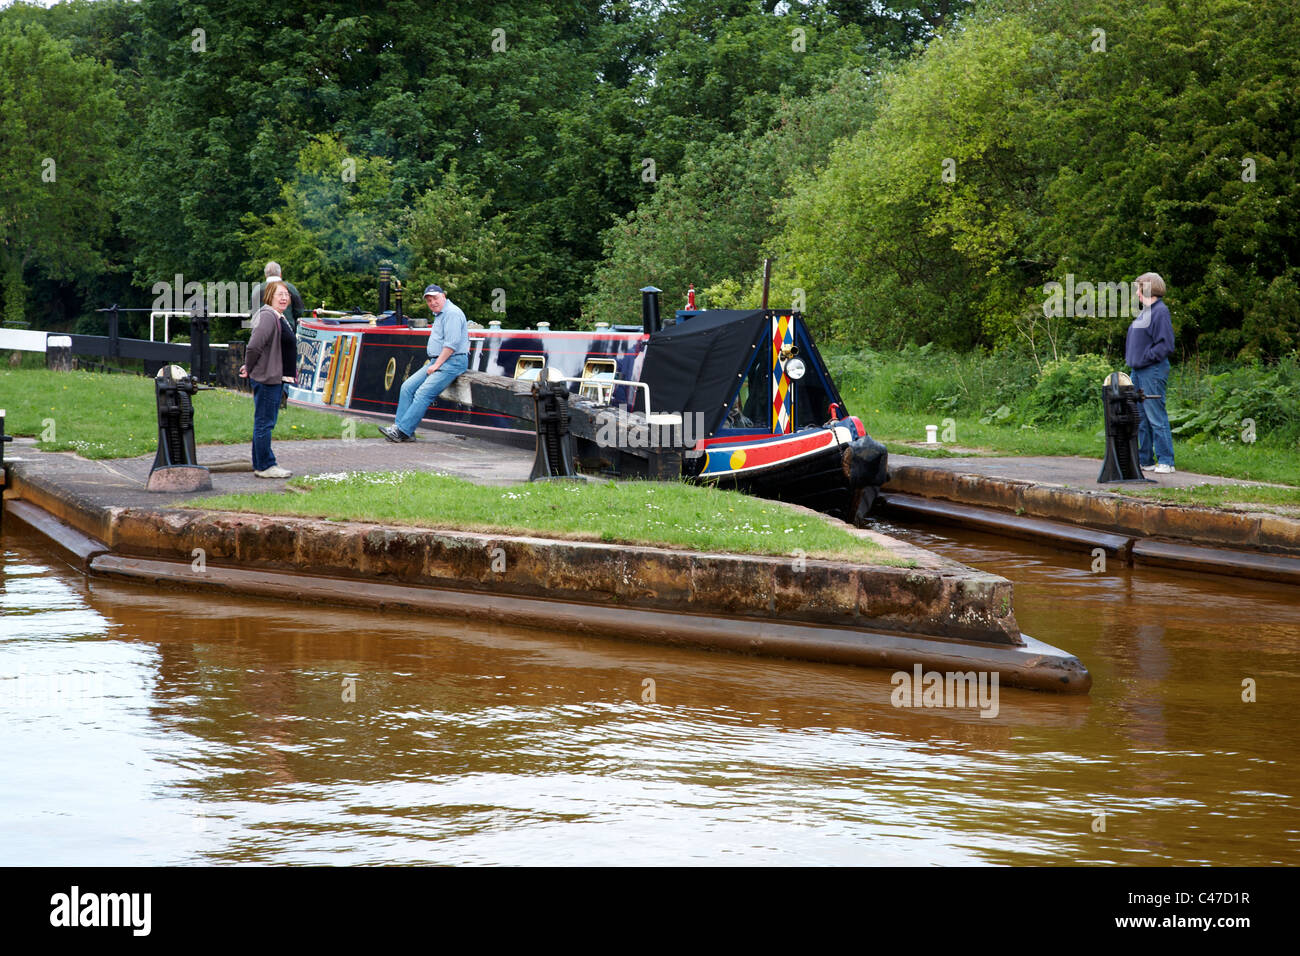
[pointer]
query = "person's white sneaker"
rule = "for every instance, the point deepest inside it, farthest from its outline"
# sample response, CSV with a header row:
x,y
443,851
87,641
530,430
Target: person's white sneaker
x,y
1163,469
275,471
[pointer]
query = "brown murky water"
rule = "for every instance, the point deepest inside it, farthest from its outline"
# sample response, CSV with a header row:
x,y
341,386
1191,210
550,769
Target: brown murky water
x,y
157,727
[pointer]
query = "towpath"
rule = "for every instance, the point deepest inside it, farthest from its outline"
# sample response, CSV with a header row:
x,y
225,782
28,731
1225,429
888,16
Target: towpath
x,y
1054,470
120,481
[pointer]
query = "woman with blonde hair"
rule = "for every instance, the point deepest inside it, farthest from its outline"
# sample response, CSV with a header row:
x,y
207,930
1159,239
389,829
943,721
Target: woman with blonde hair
x,y
264,365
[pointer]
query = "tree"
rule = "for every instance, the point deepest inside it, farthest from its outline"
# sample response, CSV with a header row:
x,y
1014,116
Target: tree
x,y
451,239
334,226
710,222
914,229
1176,154
59,119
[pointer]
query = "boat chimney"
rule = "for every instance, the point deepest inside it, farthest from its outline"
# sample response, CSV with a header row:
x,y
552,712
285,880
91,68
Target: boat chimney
x,y
650,309
385,274
543,326
494,323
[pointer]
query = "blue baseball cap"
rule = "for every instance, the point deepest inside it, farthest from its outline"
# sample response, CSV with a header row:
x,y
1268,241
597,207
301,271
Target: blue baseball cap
x,y
430,290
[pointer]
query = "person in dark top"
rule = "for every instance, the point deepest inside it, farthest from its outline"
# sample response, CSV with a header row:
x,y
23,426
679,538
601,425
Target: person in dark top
x,y
288,351
1147,348
263,363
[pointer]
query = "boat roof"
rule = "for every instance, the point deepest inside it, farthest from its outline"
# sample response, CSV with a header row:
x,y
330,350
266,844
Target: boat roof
x,y
697,365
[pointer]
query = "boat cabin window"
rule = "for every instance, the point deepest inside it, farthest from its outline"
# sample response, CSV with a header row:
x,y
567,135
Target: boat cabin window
x,y
528,367
811,401
597,380
752,409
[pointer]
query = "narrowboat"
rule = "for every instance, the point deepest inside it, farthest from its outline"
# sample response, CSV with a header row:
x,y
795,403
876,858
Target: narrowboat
x,y
758,408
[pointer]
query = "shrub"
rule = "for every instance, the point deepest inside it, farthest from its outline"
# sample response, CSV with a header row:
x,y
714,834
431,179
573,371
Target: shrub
x,y
1067,390
1267,395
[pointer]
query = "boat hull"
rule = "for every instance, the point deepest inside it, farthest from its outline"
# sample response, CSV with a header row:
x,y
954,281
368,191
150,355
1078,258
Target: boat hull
x,y
362,369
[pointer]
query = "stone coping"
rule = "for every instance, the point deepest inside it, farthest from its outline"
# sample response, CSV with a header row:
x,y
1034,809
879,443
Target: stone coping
x,y
1102,510
936,598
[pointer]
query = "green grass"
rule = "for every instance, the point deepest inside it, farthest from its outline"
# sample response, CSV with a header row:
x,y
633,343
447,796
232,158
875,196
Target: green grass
x,y
635,512
1257,462
115,416
897,394
1217,496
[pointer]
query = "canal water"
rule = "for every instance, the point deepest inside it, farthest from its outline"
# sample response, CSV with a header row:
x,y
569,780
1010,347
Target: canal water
x,y
142,726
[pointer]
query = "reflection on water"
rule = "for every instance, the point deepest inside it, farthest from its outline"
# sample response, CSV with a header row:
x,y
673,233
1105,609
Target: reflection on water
x,y
151,727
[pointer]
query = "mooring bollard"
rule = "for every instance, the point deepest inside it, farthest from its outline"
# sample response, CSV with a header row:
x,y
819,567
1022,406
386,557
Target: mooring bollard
x,y
176,466
58,353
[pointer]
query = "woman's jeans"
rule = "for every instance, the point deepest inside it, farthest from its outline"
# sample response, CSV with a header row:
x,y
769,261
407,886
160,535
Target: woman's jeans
x,y
419,391
1153,430
266,411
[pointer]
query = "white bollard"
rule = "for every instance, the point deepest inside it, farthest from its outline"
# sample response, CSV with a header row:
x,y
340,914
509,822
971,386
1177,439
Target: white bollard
x,y
931,434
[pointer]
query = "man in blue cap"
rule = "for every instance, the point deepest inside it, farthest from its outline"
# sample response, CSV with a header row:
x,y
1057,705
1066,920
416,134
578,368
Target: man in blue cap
x,y
448,357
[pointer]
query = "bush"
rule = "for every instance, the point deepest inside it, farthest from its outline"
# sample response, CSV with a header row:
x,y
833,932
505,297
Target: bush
x,y
1067,390
1269,396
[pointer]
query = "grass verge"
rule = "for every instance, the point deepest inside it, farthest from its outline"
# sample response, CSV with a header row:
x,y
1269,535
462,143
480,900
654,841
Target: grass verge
x,y
896,394
1265,498
633,512
115,416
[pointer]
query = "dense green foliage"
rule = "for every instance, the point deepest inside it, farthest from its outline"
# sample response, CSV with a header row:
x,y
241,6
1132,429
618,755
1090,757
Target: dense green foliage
x,y
920,169
58,126
708,224
1219,406
530,125
1098,140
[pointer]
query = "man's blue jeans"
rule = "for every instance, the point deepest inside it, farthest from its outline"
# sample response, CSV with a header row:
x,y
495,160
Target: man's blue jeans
x,y
266,412
1154,438
419,391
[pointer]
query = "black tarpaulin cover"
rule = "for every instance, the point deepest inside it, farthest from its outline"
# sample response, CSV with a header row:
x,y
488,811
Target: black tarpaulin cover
x,y
696,365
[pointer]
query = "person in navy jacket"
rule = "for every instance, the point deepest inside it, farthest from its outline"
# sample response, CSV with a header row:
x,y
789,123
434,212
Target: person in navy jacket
x,y
1147,348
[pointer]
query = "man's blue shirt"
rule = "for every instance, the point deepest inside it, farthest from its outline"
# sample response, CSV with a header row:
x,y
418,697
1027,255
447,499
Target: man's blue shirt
x,y
450,328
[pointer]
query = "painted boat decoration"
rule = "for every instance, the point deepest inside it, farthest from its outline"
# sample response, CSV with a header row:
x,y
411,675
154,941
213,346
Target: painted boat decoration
x,y
760,411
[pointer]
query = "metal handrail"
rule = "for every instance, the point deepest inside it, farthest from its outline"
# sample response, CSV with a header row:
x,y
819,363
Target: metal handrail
x,y
662,418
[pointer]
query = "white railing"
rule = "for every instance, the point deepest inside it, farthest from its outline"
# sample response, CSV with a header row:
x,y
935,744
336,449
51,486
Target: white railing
x,y
167,319
23,340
